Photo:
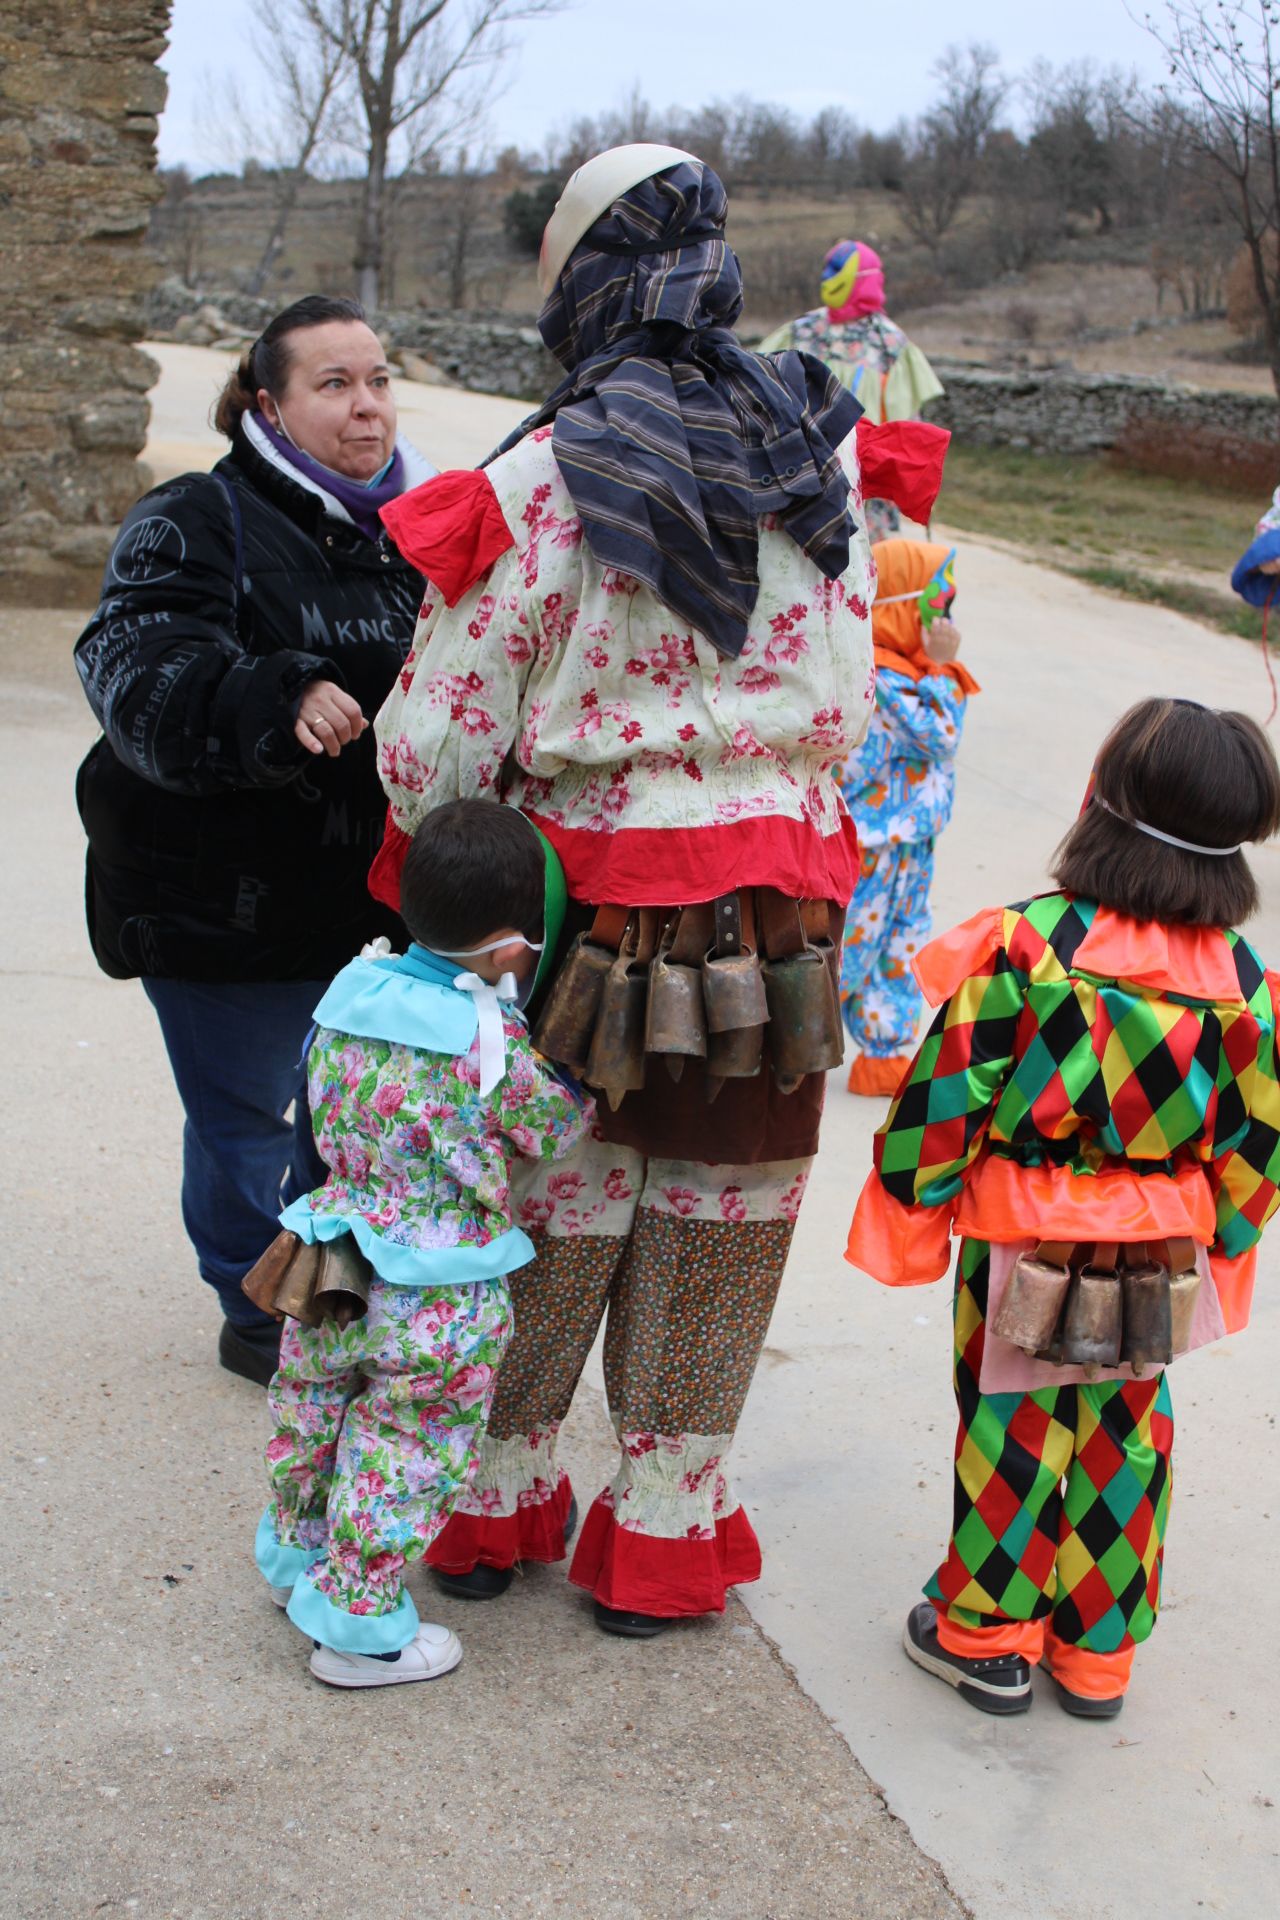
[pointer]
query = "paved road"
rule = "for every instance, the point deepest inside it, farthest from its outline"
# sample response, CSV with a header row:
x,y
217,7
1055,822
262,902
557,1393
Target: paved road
x,y
847,1438
167,1753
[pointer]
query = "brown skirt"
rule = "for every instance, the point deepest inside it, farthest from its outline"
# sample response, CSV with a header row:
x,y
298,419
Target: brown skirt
x,y
748,1122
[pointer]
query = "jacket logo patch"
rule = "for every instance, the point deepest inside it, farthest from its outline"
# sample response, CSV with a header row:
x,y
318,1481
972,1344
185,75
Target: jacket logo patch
x,y
153,549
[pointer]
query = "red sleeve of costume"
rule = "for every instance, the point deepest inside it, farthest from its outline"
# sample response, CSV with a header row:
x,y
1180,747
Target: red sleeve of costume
x,y
898,1246
451,529
902,461
384,874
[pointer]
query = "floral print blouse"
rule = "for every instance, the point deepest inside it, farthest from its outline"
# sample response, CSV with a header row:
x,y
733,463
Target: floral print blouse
x,y
571,691
417,1157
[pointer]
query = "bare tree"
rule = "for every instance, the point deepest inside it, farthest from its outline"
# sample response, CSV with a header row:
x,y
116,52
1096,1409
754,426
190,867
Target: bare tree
x,y
1224,72
410,63
945,152
305,74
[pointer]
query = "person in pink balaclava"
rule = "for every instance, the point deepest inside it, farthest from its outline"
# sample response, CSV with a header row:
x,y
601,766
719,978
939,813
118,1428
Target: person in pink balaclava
x,y
864,349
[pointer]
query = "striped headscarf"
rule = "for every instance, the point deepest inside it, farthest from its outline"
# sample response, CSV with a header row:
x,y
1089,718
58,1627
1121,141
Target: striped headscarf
x,y
672,439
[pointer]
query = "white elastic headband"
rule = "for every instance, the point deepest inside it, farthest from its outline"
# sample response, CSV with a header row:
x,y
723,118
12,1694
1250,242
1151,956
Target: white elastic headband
x,y
591,191
473,953
1170,839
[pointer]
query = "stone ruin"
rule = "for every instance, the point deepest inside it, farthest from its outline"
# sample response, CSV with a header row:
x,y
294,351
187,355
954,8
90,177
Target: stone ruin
x,y
80,97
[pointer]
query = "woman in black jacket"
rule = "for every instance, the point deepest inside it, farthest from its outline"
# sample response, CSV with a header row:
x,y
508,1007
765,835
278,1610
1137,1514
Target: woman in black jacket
x,y
252,622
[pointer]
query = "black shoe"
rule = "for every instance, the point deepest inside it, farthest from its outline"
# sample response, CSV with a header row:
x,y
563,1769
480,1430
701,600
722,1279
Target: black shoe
x,y
482,1583
490,1583
1085,1709
252,1352
629,1626
1001,1684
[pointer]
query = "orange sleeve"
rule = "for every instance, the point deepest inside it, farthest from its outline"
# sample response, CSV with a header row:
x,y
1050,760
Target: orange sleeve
x,y
898,1246
956,956
1234,1280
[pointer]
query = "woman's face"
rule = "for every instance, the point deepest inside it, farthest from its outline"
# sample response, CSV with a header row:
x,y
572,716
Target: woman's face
x,y
337,403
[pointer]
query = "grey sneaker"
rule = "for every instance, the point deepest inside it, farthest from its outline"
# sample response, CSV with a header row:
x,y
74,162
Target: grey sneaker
x,y
1001,1684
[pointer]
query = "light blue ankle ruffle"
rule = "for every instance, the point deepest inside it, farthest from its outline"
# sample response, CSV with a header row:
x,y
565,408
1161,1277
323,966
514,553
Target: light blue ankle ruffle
x,y
279,1565
333,1626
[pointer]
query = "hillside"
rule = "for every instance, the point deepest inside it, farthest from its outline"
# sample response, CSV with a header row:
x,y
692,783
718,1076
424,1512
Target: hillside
x,y
1096,307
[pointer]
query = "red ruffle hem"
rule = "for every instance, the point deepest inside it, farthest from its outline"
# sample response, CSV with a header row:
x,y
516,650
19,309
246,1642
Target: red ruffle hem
x,y
534,1533
645,1573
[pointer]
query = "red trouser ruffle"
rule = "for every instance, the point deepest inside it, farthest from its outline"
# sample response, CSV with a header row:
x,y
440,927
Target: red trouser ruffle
x,y
534,1532
646,1573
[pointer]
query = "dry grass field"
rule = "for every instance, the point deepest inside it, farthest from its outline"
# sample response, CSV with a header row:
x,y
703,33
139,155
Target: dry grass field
x,y
1097,311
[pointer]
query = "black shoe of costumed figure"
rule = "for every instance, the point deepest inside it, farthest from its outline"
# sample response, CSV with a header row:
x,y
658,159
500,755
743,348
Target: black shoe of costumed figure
x,y
490,1583
1001,1684
252,1352
1082,1708
629,1626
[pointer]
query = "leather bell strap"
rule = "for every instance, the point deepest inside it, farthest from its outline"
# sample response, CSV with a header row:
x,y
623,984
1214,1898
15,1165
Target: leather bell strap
x,y
1180,1253
493,1039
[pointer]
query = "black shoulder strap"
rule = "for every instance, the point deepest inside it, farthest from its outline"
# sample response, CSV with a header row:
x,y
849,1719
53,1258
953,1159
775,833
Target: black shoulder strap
x,y
240,584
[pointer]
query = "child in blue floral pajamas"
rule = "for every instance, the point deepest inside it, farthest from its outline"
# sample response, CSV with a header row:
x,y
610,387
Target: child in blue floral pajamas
x,y
900,791
423,1083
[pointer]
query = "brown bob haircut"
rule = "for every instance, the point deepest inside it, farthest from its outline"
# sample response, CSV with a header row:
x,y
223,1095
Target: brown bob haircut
x,y
1204,776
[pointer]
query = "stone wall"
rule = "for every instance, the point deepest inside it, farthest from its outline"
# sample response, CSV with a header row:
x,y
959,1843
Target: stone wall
x,y
1087,413
80,93
486,353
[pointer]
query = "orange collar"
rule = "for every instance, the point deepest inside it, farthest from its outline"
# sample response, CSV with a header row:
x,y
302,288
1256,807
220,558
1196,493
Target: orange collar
x,y
1193,961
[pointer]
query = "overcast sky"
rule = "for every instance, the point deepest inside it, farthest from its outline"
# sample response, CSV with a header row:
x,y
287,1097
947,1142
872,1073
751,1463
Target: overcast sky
x,y
870,56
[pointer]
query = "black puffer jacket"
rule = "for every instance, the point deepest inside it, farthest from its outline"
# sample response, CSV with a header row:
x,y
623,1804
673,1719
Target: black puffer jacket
x,y
219,849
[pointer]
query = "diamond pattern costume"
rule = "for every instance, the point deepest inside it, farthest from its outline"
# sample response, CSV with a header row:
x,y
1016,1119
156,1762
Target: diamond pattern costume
x,y
1085,1077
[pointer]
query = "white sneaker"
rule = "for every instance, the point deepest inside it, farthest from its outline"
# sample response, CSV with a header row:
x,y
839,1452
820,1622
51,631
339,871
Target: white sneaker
x,y
431,1652
281,1596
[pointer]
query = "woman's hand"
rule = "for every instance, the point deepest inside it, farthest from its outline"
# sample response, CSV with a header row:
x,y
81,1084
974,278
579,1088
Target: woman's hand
x,y
942,642
328,719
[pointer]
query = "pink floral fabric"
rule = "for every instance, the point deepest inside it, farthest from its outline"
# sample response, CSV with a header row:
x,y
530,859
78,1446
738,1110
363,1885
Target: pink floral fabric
x,y
377,1432
616,717
413,1148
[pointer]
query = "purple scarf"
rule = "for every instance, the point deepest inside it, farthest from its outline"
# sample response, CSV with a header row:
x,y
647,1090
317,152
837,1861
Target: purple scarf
x,y
362,502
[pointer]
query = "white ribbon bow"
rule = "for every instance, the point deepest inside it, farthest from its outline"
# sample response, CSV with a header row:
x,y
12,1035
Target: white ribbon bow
x,y
493,1039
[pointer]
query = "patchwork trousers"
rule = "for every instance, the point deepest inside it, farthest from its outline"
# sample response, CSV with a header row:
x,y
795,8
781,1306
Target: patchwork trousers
x,y
1061,1506
683,1262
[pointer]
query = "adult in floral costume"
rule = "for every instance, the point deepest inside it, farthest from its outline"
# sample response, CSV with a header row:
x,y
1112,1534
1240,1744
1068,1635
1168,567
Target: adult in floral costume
x,y
864,348
646,625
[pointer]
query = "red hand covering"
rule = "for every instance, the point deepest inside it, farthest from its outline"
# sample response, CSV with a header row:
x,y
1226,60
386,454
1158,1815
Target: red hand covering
x,y
902,461
451,529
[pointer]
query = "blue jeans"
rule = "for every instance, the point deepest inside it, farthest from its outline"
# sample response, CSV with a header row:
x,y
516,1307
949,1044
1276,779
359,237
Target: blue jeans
x,y
236,1054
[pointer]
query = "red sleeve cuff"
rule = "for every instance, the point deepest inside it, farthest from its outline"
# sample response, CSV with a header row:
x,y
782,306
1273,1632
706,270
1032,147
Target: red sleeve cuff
x,y
451,529
898,1246
902,461
384,874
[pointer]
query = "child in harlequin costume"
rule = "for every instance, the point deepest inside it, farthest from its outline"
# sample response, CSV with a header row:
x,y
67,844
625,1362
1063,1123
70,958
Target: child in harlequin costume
x,y
899,789
1100,1074
423,1086
853,335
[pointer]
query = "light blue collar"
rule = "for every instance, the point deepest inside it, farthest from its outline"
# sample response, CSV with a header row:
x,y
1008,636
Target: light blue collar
x,y
408,998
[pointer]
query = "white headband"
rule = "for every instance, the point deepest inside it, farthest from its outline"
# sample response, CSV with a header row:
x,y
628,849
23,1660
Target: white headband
x,y
1170,839
591,191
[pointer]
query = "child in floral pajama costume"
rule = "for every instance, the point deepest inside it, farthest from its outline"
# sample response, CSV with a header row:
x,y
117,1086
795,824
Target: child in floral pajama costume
x,y
900,790
423,1085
